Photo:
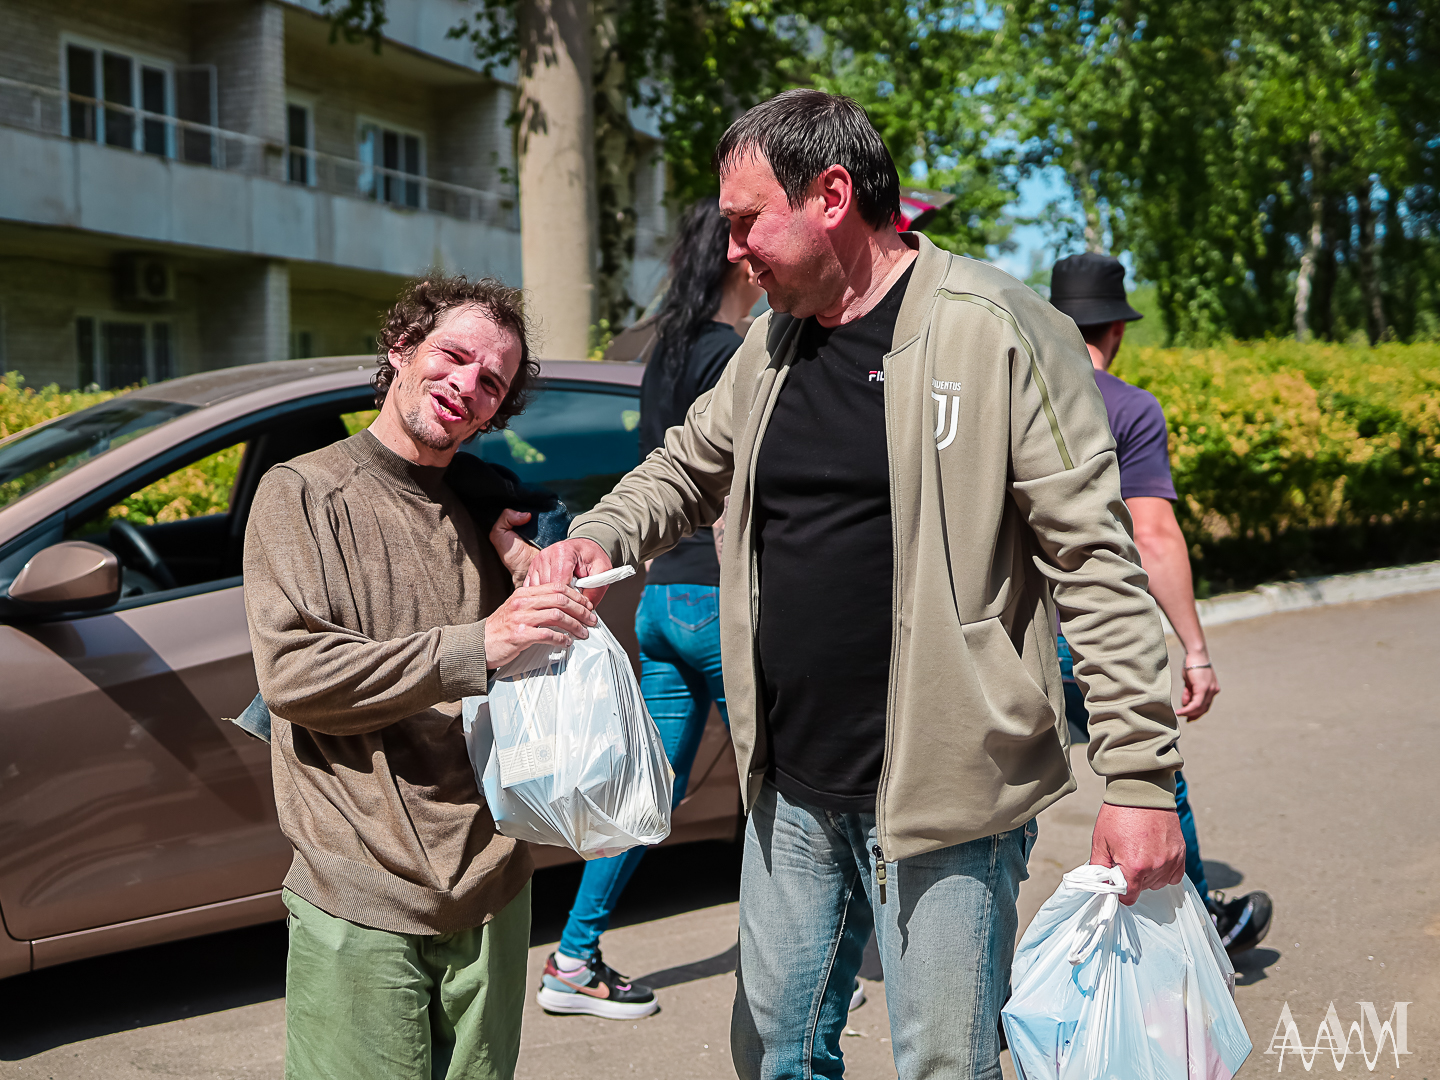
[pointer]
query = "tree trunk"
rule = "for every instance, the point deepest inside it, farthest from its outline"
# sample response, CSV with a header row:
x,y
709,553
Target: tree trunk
x,y
617,151
1304,280
1369,283
1089,205
556,150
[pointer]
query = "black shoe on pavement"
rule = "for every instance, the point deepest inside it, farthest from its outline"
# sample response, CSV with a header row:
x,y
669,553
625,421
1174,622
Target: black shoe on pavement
x,y
596,989
1242,923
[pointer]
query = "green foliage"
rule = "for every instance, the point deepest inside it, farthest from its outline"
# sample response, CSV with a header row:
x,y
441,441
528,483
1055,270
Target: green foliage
x,y
601,335
357,422
201,488
22,407
1288,458
925,74
1239,147
1282,451
1273,167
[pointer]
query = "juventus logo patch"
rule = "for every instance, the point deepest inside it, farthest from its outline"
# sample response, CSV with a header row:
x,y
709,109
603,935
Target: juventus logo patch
x,y
944,403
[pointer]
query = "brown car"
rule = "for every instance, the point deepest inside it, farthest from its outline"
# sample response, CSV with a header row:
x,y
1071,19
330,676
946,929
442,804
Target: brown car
x,y
131,810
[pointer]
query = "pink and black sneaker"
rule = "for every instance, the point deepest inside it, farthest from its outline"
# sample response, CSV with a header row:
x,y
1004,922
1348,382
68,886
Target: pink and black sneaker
x,y
596,989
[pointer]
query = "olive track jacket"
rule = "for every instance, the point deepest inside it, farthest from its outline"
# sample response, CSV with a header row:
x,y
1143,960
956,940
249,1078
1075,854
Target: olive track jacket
x,y
1005,497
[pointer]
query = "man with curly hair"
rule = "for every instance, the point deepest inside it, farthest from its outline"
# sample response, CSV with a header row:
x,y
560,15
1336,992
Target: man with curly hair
x,y
376,604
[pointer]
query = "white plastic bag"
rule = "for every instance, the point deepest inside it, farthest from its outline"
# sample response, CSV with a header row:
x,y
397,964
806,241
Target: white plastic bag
x,y
1104,991
565,750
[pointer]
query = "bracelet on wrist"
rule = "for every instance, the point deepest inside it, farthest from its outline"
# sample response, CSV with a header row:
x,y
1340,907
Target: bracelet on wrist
x,y
1196,667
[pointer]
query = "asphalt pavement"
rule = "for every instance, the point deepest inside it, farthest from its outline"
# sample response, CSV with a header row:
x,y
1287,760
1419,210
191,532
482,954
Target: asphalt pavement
x,y
1311,779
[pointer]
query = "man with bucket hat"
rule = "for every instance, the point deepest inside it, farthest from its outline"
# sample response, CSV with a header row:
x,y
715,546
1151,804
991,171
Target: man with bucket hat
x,y
1090,288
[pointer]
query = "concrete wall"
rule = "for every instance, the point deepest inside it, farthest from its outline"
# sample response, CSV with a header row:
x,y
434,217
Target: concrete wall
x,y
336,321
31,47
475,147
255,259
100,189
420,26
348,82
245,40
246,308
43,294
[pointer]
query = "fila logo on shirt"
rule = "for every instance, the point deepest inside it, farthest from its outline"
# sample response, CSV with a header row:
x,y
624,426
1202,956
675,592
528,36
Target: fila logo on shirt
x,y
946,402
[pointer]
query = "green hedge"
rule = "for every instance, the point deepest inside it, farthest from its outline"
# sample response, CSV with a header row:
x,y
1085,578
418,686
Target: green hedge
x,y
1297,459
1289,459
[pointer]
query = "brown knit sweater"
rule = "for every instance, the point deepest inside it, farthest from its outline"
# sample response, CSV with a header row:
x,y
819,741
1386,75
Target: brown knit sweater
x,y
366,587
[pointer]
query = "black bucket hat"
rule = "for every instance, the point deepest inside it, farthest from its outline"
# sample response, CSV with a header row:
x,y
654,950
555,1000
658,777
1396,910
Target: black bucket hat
x,y
1090,288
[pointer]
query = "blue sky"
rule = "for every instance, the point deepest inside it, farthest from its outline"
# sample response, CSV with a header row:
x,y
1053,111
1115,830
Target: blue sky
x,y
1033,243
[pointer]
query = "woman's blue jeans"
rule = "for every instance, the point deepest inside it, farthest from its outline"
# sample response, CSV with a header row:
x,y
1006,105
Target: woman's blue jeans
x,y
679,631
1078,718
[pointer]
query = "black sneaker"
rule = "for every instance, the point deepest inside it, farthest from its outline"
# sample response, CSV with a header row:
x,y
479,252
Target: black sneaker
x,y
1241,923
596,989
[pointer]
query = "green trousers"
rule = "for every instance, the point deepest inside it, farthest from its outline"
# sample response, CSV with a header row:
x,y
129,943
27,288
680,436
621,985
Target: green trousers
x,y
363,1004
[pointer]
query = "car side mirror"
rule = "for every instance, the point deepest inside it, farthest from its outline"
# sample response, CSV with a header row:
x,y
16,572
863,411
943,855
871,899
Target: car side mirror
x,y
71,576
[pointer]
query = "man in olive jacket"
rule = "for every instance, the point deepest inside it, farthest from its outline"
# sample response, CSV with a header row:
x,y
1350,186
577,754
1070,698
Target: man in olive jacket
x,y
921,477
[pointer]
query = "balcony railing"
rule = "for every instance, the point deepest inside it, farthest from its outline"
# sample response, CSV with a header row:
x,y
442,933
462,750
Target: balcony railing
x,y
46,109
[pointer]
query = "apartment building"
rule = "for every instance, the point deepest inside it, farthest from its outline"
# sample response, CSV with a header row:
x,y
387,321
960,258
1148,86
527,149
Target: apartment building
x,y
193,184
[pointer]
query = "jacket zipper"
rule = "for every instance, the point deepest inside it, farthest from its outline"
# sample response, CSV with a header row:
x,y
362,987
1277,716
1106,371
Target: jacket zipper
x,y
753,568
895,587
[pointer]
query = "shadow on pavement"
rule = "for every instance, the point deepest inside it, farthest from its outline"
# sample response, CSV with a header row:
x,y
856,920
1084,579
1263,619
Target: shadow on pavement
x,y
669,881
156,985
1250,966
1221,875
90,998
720,964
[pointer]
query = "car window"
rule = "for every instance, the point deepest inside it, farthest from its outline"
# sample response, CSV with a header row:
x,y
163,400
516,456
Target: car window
x,y
181,521
201,488
187,528
575,442
33,458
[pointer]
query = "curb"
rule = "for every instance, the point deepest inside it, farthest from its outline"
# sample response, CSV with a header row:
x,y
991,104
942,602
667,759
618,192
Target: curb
x,y
1318,592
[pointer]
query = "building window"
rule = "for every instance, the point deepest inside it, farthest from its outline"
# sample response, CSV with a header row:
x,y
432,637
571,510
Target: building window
x,y
301,345
299,168
195,102
119,100
388,161
115,353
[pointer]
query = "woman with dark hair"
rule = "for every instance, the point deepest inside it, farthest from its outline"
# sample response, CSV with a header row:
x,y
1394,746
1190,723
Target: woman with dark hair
x,y
678,619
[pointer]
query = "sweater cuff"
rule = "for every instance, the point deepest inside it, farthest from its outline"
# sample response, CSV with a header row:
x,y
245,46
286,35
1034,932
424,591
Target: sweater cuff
x,y
1149,791
462,661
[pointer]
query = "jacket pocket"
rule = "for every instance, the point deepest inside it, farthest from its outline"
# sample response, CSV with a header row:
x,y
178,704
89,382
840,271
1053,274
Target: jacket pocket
x,y
1018,706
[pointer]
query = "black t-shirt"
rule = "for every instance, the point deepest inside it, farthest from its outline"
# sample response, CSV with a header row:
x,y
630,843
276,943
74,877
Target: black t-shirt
x,y
666,394
826,555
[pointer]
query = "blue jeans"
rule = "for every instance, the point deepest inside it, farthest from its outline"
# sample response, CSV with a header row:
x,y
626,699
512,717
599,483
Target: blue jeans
x,y
679,631
808,904
1078,718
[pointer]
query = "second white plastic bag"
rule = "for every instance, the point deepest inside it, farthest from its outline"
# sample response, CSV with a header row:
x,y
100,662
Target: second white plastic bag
x,y
1102,991
566,752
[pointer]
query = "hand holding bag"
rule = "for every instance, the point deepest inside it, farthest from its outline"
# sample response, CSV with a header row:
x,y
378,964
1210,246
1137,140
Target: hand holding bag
x,y
1102,991
565,750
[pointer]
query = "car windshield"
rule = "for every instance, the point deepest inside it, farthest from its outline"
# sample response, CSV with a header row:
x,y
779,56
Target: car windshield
x,y
33,458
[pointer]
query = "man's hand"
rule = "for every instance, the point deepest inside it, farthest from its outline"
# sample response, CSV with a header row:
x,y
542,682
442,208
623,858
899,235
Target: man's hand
x,y
1146,844
515,551
561,562
536,615
1201,686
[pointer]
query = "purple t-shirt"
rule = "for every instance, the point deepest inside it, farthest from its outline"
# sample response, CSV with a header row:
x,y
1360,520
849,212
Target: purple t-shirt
x,y
1138,423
